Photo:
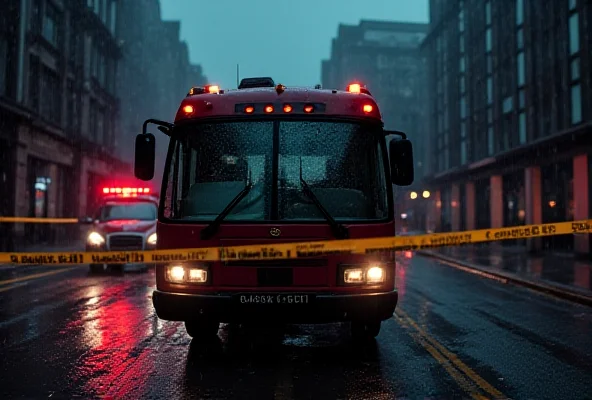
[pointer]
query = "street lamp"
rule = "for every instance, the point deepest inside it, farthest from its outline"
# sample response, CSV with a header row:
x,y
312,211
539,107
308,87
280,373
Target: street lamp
x,y
413,195
425,194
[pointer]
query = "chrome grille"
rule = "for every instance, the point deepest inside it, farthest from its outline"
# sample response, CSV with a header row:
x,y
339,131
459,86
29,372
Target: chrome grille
x,y
126,242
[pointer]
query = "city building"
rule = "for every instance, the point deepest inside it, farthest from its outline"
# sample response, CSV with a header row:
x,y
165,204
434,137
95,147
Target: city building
x,y
58,109
154,76
510,115
387,58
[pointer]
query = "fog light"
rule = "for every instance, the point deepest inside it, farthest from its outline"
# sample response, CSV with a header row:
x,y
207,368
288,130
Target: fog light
x,y
355,275
375,275
175,273
197,275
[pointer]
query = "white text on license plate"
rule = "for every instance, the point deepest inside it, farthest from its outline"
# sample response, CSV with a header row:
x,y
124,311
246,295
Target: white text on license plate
x,y
274,299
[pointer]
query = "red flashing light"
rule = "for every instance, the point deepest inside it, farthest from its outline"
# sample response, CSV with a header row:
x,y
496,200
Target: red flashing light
x,y
368,108
249,109
269,109
354,88
188,109
125,191
287,108
308,108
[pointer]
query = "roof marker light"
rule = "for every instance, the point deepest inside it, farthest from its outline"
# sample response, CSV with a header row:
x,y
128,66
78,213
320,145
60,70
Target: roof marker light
x,y
368,108
249,109
354,88
308,108
287,108
269,109
188,109
213,89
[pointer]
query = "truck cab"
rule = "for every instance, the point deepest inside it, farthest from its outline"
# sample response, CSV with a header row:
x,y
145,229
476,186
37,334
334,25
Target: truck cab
x,y
125,220
265,164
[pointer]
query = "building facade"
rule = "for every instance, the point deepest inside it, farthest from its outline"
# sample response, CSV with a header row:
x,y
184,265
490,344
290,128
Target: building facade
x,y
154,76
58,108
510,115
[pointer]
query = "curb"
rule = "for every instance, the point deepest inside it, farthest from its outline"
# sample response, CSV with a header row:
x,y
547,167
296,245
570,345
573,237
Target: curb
x,y
509,278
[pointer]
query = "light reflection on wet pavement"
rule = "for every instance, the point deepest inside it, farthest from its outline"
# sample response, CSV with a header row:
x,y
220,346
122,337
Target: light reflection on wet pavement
x,y
73,335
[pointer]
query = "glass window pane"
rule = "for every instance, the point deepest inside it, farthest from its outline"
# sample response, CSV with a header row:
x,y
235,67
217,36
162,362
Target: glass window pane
x,y
488,39
489,90
575,69
490,142
488,13
576,104
574,34
519,12
522,128
521,71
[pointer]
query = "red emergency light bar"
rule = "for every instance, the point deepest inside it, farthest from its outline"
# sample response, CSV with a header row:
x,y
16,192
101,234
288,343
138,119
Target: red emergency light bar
x,y
125,190
357,88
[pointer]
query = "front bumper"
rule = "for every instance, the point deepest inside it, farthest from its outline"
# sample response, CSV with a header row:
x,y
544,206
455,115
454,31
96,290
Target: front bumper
x,y
323,308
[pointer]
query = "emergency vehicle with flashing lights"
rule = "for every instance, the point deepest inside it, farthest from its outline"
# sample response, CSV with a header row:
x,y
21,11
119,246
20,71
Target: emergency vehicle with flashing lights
x,y
125,220
265,164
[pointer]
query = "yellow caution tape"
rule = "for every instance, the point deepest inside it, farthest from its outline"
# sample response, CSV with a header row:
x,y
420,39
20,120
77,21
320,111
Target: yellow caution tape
x,y
276,251
32,220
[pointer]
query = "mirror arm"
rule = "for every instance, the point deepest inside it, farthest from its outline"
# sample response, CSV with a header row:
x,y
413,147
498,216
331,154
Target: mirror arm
x,y
164,124
398,133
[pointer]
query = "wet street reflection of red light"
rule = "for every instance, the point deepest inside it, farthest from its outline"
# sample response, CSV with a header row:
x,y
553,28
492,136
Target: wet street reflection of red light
x,y
116,362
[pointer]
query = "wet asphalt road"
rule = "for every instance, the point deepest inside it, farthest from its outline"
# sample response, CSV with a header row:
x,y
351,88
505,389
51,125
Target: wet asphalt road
x,y
455,335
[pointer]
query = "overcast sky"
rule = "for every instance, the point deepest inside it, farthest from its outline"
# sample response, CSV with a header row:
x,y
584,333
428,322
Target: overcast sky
x,y
284,39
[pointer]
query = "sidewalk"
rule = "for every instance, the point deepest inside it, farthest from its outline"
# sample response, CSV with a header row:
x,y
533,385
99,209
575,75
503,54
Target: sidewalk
x,y
557,274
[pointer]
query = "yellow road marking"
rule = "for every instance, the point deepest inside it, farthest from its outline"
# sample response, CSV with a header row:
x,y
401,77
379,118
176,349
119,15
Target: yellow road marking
x,y
33,276
446,358
12,287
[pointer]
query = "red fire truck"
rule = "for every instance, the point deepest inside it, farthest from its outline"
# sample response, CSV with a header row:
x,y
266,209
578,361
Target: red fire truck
x,y
125,220
266,163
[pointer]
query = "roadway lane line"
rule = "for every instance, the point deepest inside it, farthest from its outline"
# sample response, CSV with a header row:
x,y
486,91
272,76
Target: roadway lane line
x,y
34,276
445,357
18,285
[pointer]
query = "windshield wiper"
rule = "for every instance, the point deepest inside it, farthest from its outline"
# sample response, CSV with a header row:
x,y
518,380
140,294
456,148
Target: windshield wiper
x,y
339,231
212,228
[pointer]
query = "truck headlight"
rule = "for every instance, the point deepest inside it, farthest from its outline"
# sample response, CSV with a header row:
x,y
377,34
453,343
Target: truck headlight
x,y
152,239
176,273
370,274
95,239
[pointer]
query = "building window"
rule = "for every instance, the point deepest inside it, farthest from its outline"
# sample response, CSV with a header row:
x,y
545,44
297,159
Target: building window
x,y
575,69
521,71
574,34
522,127
461,42
521,100
462,85
489,116
520,39
507,105
463,107
519,12
113,17
573,4
462,64
489,64
461,21
490,141
463,152
489,90
576,104
463,130
50,30
488,40
488,13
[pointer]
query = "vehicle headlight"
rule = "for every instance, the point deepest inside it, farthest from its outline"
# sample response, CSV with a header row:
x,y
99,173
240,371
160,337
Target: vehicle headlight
x,y
370,274
95,239
152,239
176,273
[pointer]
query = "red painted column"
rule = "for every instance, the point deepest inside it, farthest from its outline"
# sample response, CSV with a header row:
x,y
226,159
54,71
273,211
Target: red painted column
x,y
496,201
581,201
533,195
455,207
470,206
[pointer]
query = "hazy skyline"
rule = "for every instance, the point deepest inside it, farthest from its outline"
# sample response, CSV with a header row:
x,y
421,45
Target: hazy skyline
x,y
285,42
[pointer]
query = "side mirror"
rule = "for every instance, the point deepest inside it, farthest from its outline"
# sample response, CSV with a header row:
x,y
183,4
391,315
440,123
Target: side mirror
x,y
85,220
401,160
145,156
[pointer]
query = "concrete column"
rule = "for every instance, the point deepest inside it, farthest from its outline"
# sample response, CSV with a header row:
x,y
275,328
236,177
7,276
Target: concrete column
x,y
52,191
434,212
534,210
470,206
581,201
496,201
455,208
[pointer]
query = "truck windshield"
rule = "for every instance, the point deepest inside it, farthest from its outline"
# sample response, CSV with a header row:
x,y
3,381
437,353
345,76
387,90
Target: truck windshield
x,y
342,162
137,211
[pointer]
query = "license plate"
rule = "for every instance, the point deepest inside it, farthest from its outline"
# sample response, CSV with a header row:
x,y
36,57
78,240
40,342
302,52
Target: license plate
x,y
275,298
